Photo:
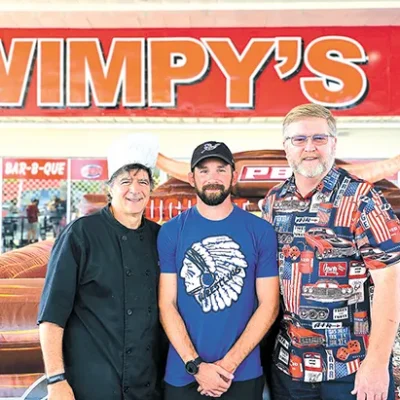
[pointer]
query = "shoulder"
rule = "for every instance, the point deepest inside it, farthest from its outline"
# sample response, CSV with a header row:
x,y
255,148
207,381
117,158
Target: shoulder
x,y
353,178
259,224
277,188
153,226
87,223
354,183
179,221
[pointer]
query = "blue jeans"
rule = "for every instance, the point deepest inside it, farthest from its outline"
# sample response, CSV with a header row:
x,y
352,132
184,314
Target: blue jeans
x,y
284,388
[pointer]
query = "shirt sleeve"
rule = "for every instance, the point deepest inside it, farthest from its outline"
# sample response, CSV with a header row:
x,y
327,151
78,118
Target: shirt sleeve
x,y
377,232
61,280
167,249
267,265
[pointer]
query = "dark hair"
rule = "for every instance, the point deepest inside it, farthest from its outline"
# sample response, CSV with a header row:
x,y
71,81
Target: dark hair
x,y
127,168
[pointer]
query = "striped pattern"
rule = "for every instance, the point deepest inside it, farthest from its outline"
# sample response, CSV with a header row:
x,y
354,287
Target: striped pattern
x,y
291,281
349,203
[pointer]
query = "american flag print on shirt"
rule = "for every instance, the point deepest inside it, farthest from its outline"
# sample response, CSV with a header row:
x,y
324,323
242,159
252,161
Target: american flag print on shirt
x,y
377,219
291,282
349,202
348,368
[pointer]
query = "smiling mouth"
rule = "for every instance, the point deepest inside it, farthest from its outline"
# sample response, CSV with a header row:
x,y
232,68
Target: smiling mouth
x,y
135,200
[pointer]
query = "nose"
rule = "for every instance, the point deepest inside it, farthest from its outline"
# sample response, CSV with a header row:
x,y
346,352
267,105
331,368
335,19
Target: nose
x,y
310,146
134,187
213,176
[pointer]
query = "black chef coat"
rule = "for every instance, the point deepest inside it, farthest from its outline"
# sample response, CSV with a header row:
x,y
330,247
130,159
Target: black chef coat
x,y
101,287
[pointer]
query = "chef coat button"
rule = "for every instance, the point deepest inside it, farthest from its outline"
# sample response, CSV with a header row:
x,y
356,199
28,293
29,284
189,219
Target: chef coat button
x,y
129,351
129,311
147,272
124,238
128,272
126,389
147,384
149,310
148,347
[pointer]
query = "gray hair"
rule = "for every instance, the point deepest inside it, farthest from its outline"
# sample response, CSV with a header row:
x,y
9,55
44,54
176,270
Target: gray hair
x,y
310,111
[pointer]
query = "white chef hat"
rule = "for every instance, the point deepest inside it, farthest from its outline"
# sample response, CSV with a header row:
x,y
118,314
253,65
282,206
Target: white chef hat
x,y
137,148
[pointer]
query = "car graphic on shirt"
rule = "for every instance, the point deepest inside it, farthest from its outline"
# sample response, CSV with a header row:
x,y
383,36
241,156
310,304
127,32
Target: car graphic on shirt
x,y
312,367
375,258
302,337
327,244
327,291
290,204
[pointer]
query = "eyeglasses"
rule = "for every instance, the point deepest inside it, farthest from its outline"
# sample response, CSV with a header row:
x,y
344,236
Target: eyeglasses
x,y
318,139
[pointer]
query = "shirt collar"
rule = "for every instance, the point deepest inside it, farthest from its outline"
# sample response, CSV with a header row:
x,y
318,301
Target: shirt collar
x,y
326,185
106,212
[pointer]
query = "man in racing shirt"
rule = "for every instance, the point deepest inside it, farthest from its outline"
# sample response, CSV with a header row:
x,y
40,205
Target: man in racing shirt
x,y
344,248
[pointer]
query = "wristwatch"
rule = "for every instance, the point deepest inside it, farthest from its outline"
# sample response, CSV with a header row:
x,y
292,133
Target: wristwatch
x,y
192,367
56,378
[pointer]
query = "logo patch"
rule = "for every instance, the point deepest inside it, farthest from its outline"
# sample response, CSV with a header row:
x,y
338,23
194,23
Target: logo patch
x,y
340,313
299,231
332,269
326,325
91,171
307,220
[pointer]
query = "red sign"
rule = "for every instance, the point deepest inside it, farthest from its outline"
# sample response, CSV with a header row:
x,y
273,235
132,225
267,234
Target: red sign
x,y
251,173
210,72
41,168
332,269
95,170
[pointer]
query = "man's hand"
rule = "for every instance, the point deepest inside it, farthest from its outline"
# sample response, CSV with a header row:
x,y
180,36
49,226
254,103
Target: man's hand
x,y
213,380
227,367
372,381
60,391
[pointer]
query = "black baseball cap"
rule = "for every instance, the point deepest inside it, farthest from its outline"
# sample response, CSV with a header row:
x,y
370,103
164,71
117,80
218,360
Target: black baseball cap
x,y
212,149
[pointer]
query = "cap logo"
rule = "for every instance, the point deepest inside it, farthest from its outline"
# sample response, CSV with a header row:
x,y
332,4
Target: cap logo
x,y
210,147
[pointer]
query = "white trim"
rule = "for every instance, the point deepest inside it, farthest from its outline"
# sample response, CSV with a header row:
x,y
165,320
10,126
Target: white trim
x,y
165,126
61,6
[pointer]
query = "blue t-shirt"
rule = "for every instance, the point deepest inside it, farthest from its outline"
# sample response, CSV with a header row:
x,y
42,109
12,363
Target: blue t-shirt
x,y
217,263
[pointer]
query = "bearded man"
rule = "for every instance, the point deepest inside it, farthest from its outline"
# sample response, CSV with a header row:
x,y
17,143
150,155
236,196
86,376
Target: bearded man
x,y
338,252
218,287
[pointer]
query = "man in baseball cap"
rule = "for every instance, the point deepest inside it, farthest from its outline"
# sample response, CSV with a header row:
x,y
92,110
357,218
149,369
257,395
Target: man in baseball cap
x,y
218,287
212,149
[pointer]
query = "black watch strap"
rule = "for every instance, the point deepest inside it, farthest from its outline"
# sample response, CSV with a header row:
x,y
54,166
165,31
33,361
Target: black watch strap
x,y
56,378
192,367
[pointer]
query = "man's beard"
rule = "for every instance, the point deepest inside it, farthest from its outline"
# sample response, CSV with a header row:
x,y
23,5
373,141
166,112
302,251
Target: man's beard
x,y
215,198
312,172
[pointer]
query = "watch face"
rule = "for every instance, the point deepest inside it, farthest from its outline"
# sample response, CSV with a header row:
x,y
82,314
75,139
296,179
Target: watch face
x,y
191,368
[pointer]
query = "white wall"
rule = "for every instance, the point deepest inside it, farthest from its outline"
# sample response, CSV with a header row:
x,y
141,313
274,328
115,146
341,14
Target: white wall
x,y
91,140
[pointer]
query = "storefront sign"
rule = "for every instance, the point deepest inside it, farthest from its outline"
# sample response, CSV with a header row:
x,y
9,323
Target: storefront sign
x,y
199,72
89,169
40,168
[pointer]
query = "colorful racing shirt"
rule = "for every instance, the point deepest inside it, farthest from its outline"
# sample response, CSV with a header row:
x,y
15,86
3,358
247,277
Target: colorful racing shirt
x,y
328,242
